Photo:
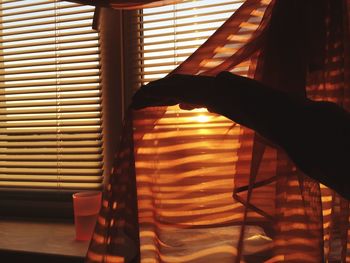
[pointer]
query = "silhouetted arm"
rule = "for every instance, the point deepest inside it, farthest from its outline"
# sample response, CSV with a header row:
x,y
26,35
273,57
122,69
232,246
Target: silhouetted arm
x,y
315,135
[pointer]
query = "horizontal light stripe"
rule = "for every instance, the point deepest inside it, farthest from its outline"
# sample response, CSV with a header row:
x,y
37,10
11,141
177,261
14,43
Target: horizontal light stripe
x,y
49,116
42,164
44,170
49,109
45,21
47,41
50,96
51,185
48,34
53,150
66,157
49,178
46,137
41,130
71,80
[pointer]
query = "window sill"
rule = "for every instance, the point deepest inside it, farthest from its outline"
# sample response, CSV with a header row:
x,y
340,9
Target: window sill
x,y
47,238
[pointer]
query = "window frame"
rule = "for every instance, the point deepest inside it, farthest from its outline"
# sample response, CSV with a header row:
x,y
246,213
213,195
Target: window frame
x,y
47,204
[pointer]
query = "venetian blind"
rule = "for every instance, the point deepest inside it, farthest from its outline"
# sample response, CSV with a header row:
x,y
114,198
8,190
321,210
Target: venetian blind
x,y
50,112
169,34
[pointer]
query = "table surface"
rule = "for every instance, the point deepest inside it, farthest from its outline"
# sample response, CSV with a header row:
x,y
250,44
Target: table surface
x,y
55,238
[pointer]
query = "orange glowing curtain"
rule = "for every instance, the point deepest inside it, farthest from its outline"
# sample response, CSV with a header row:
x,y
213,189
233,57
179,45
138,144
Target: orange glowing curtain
x,y
170,194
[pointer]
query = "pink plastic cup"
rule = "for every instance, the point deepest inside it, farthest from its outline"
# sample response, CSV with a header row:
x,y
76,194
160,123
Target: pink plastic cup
x,y
86,207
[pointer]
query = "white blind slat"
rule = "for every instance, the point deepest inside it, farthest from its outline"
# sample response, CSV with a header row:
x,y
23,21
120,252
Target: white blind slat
x,y
53,150
49,178
53,137
49,109
51,185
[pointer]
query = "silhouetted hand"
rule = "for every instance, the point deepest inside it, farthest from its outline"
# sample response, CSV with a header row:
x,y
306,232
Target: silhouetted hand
x,y
240,99
243,100
187,90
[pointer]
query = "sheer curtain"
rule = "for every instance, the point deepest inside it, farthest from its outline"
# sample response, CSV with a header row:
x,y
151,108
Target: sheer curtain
x,y
170,199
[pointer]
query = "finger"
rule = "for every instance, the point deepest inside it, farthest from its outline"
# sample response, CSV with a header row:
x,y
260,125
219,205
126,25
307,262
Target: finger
x,y
162,88
172,90
181,86
148,96
151,102
157,88
187,106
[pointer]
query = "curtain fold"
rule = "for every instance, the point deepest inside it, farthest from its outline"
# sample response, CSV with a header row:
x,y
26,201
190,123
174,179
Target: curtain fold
x,y
170,195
